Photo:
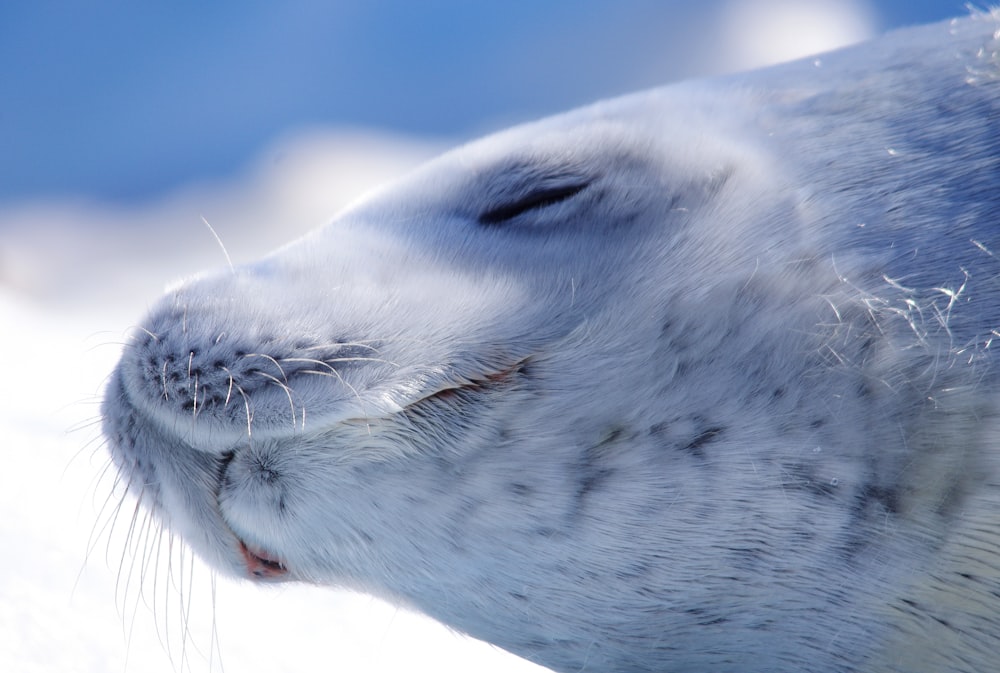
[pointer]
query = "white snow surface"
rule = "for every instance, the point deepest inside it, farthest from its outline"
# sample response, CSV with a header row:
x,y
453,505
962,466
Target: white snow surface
x,y
73,278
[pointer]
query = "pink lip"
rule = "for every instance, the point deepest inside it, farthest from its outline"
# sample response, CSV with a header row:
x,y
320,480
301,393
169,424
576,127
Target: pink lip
x,y
262,565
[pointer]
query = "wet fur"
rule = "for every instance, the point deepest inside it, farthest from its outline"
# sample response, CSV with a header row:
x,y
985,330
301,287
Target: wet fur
x,y
699,379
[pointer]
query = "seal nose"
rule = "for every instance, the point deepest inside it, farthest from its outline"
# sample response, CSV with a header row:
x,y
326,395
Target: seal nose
x,y
226,362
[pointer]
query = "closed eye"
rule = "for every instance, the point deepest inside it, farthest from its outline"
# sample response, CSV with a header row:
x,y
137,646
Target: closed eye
x,y
536,199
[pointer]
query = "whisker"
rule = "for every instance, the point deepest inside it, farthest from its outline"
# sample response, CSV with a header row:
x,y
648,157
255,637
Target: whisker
x,y
157,577
343,359
98,529
194,403
128,540
214,644
218,239
341,345
229,391
97,440
169,582
183,604
334,373
163,381
288,393
270,359
153,527
152,335
96,533
246,399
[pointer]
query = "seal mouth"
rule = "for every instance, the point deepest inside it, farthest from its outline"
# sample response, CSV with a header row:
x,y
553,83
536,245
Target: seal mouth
x,y
261,564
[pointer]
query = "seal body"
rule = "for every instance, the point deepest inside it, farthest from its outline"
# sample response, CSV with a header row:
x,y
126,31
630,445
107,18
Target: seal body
x,y
699,379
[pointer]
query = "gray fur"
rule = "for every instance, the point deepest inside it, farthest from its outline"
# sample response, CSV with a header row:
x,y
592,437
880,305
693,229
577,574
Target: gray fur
x,y
699,379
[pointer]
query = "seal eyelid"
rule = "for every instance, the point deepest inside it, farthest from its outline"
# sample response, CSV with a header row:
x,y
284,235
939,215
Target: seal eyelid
x,y
540,197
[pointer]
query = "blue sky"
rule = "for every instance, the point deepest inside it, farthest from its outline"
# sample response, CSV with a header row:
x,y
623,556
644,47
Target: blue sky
x,y
125,101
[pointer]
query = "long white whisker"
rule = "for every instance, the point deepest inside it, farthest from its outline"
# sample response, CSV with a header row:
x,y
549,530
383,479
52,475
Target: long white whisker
x,y
335,374
288,393
271,360
214,645
246,400
341,345
343,359
218,239
125,551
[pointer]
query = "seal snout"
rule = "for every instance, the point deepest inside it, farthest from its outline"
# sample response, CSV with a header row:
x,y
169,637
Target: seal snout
x,y
194,364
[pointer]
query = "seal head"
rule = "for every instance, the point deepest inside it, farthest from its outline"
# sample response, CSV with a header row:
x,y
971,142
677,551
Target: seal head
x,y
696,379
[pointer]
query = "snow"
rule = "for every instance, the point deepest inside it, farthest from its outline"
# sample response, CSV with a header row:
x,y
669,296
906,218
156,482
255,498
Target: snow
x,y
73,278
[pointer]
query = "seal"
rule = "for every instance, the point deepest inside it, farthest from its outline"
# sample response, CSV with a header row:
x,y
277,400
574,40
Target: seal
x,y
697,379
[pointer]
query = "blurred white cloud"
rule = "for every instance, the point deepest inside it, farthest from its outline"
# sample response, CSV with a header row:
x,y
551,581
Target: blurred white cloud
x,y
71,252
763,32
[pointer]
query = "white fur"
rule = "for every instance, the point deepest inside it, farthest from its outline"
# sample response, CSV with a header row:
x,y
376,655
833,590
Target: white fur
x,y
722,399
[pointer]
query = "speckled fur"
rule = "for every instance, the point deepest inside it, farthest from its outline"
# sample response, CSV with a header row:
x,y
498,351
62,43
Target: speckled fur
x,y
699,379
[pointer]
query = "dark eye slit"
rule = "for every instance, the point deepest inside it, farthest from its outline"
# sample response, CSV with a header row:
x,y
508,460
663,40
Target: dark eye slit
x,y
537,199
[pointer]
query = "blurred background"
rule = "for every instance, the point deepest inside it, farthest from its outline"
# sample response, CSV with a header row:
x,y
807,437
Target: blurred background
x,y
127,101
132,121
124,125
